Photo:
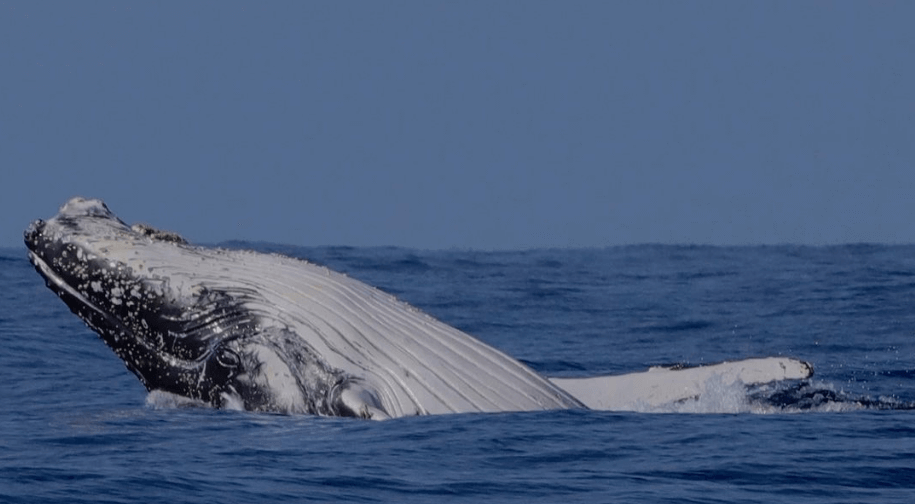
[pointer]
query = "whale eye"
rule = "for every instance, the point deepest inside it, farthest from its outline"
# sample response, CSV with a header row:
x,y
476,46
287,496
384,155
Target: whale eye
x,y
227,358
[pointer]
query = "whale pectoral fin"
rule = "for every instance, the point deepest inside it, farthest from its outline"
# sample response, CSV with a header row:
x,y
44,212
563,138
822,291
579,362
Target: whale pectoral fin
x,y
663,385
356,401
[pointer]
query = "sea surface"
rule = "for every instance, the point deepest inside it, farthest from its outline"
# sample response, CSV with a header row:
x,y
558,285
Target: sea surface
x,y
77,427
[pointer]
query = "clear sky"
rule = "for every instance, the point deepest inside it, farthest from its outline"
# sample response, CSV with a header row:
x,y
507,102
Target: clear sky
x,y
472,124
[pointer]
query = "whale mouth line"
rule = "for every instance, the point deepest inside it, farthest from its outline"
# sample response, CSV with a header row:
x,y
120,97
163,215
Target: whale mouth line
x,y
62,288
62,285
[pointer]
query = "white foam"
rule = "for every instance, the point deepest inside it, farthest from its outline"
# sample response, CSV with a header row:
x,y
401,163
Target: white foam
x,y
160,399
717,395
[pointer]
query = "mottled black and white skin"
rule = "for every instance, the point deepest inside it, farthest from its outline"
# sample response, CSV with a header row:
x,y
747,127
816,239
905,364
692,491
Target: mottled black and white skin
x,y
264,332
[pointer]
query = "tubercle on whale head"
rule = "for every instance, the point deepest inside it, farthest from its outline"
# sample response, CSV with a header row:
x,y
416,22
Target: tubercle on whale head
x,y
90,221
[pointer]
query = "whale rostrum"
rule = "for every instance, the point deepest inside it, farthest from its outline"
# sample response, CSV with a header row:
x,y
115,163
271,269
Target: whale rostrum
x,y
264,332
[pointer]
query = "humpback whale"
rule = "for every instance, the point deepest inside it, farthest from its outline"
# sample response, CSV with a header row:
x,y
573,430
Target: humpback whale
x,y
265,332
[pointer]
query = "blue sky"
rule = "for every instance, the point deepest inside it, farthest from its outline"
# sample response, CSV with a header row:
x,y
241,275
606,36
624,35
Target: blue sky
x,y
471,124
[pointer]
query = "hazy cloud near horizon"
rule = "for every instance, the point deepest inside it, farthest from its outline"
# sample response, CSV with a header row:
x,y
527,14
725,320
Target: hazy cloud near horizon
x,y
465,124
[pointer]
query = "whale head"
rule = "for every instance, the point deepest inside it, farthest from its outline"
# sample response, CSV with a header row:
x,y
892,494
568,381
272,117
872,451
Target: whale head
x,y
158,302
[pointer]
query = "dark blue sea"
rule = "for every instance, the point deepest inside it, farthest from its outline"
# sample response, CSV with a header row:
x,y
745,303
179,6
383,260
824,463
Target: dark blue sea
x,y
77,427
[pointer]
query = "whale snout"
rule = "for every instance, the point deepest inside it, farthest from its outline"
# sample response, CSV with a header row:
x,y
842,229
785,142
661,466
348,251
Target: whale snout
x,y
32,233
42,241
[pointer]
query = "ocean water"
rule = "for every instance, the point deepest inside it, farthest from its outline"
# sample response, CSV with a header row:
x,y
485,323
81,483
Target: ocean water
x,y
76,426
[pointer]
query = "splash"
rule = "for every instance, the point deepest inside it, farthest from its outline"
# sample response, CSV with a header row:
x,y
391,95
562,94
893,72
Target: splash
x,y
817,396
159,399
720,396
